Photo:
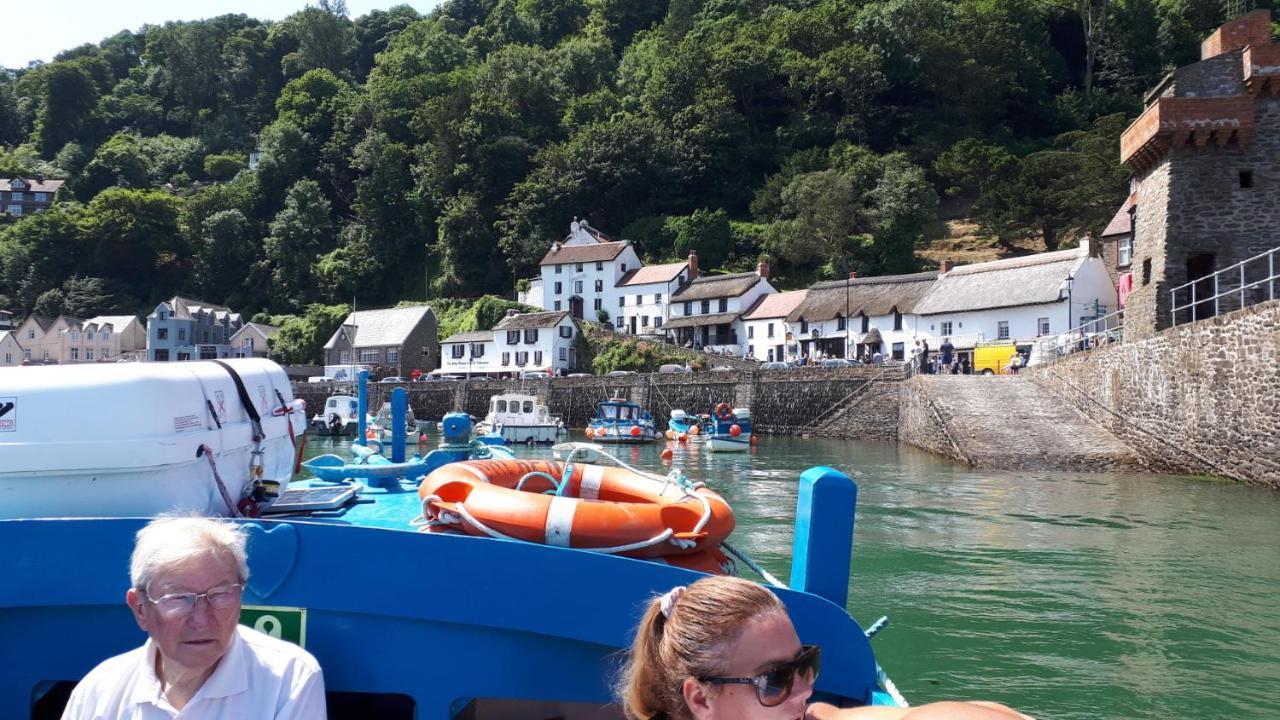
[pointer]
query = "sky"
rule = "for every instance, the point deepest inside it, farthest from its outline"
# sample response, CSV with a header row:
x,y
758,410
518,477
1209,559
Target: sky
x,y
39,30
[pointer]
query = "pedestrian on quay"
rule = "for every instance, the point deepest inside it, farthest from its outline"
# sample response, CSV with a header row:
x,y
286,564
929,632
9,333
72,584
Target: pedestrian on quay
x,y
947,350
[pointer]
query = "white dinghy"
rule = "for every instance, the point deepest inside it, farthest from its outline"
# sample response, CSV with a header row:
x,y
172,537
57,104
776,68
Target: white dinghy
x,y
137,439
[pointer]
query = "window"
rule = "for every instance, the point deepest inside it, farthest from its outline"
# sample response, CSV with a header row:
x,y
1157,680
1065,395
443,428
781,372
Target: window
x,y
160,315
706,306
599,266
577,286
8,358
530,336
657,321
599,286
564,354
75,334
751,331
624,267
804,326
597,304
1124,251
513,337
26,354
371,356
31,334
1146,271
344,357
724,305
1042,326
639,299
558,269
557,306
75,353
477,351
644,320
500,406
162,356
622,301
537,360
16,197
840,322
506,358
88,334
182,333
688,308
769,330
566,331
42,197
522,358
1002,330
619,321
105,335
899,351
577,267
162,333
897,319
88,353
946,327
14,209
559,286
1246,180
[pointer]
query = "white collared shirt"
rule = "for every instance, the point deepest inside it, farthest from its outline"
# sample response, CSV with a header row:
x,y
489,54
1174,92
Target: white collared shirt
x,y
260,678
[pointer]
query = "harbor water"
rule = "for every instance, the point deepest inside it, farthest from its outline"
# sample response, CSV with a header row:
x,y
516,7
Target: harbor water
x,y
1068,596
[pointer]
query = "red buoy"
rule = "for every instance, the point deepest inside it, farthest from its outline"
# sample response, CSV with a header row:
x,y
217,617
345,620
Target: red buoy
x,y
636,431
667,454
735,430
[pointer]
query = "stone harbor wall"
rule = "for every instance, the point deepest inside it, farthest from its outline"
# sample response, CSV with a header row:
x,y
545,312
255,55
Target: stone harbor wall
x,y
832,402
1196,398
921,423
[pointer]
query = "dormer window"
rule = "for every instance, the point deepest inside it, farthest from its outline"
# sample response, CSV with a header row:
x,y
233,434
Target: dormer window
x,y
17,184
840,322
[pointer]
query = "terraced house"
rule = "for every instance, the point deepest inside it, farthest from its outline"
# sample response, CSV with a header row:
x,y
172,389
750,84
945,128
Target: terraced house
x,y
185,329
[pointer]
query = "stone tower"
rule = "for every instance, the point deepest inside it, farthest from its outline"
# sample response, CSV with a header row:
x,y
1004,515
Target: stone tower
x,y
1206,161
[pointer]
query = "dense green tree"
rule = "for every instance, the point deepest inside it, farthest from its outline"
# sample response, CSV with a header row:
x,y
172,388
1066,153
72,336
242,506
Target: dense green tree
x,y
79,297
373,34
301,338
39,253
132,236
222,167
300,232
705,232
326,39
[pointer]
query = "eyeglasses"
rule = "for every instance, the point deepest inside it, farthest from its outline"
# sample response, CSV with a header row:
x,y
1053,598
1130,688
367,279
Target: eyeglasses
x,y
178,604
773,686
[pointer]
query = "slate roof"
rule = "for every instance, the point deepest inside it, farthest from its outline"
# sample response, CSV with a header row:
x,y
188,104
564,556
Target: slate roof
x,y
775,305
870,296
529,321
1029,280
1119,224
469,337
705,287
653,274
33,185
117,322
380,328
583,253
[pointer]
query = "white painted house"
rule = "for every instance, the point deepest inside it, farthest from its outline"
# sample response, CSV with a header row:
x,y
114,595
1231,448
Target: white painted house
x,y
860,316
469,353
706,312
765,324
105,337
580,274
1017,298
251,340
644,294
544,342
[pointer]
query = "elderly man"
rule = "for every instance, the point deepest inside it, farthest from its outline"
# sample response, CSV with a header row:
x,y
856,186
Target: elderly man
x,y
199,662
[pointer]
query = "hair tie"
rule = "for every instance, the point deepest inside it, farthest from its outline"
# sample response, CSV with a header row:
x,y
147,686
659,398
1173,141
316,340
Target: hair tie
x,y
669,600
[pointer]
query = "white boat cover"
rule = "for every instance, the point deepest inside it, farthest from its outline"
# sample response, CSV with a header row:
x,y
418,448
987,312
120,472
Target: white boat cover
x,y
121,439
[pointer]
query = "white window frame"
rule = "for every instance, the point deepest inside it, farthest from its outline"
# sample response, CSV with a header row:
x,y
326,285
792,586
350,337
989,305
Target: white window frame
x,y
945,328
1042,326
1002,329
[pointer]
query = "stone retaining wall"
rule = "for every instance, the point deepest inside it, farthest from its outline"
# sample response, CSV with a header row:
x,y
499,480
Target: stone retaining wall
x,y
1196,398
922,425
858,402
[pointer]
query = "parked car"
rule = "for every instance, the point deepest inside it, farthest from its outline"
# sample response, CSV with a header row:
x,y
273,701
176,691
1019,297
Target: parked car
x,y
673,368
320,379
722,368
835,362
622,373
393,379
580,375
533,375
775,365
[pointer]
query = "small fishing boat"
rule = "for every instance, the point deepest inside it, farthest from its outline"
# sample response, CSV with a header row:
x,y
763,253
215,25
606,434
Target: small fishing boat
x,y
339,417
519,418
729,429
682,426
380,428
621,421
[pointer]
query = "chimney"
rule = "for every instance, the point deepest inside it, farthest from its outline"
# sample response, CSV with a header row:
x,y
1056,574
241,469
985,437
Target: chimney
x,y
853,274
693,265
945,267
1092,247
512,312
1249,29
762,269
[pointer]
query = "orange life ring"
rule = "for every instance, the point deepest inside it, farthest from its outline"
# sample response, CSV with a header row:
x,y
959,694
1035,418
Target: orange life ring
x,y
723,411
602,508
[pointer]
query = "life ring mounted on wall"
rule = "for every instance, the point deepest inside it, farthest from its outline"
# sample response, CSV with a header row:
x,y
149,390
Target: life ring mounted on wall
x,y
723,411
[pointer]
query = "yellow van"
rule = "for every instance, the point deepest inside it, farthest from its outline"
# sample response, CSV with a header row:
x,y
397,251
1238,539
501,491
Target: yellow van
x,y
992,358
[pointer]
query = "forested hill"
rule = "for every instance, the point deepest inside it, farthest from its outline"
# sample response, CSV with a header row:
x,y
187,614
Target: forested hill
x,y
406,157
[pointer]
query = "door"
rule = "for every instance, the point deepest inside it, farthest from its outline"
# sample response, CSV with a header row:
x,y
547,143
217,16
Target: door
x,y
575,307
1199,267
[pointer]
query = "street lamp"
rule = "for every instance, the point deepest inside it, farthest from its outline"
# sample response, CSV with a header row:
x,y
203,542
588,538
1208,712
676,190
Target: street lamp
x,y
1070,324
846,317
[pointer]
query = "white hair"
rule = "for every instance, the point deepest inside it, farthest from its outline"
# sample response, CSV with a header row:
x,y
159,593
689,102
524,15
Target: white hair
x,y
169,542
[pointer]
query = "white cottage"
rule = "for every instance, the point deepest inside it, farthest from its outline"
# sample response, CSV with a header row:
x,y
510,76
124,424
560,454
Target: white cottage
x,y
536,342
580,275
765,324
860,316
252,340
643,296
1017,298
706,312
469,353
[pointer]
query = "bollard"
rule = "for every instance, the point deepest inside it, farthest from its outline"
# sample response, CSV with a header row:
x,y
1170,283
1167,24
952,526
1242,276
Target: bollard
x,y
399,402
362,406
823,544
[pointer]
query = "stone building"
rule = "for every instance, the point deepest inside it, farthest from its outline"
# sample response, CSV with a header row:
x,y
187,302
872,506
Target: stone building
x,y
1206,160
398,339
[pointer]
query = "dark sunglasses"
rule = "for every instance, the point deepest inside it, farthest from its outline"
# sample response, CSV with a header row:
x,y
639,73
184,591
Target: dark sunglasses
x,y
773,686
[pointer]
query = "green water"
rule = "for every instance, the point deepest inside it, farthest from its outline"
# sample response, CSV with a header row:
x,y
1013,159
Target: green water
x,y
1068,596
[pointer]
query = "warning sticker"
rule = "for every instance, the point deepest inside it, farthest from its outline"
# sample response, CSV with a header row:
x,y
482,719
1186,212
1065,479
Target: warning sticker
x,y
187,422
8,414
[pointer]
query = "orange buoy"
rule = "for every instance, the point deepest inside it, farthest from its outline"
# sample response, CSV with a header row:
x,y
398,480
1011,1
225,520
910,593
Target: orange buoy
x,y
735,429
667,454
636,431
370,434
754,439
589,433
683,437
695,430
599,508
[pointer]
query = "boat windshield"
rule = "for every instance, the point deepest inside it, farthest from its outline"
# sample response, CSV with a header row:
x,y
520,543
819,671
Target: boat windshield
x,y
500,405
528,406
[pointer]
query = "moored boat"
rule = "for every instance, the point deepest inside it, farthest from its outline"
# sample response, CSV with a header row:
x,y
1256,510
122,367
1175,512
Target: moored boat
x,y
682,426
520,418
729,429
621,421
339,417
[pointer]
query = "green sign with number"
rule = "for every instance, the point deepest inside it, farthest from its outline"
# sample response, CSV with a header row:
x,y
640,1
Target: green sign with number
x,y
284,623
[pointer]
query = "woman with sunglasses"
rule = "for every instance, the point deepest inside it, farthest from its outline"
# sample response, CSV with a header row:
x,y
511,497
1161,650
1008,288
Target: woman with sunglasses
x,y
724,649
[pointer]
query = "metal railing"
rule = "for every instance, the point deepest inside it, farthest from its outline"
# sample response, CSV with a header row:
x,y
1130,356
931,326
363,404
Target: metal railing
x,y
1248,282
1086,336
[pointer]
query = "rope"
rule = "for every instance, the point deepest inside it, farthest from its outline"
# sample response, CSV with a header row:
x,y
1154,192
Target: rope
x,y
876,627
755,566
890,688
207,452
